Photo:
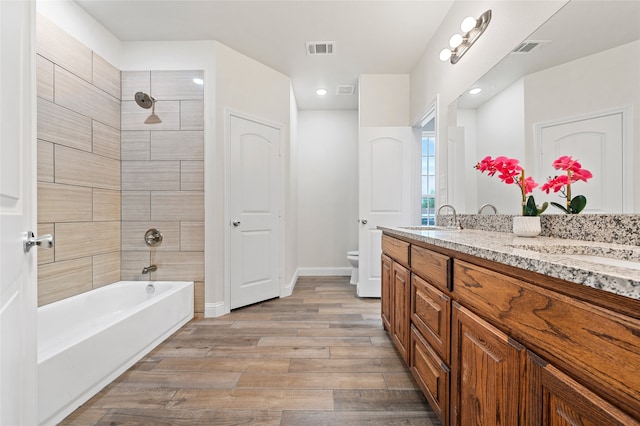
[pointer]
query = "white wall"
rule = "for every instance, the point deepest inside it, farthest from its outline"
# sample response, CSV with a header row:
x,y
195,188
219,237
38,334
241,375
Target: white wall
x,y
383,100
291,200
327,189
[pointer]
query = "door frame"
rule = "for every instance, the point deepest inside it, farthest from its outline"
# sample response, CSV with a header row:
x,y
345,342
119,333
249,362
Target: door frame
x,y
228,113
431,112
628,174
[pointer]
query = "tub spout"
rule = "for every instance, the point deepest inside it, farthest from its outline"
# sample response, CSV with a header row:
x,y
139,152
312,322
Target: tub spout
x,y
148,269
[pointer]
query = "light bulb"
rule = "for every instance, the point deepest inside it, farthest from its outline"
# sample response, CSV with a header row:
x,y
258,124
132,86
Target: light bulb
x,y
455,41
198,81
445,54
468,24
321,92
475,91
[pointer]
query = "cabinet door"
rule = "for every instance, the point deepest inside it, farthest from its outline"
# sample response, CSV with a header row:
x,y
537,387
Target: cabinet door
x,y
431,315
400,322
558,400
386,293
432,374
485,371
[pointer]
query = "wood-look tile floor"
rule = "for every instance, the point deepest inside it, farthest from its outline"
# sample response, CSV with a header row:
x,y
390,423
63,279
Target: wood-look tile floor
x,y
318,357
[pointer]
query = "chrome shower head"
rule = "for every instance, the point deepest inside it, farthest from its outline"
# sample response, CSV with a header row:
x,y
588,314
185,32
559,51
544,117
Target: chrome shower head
x,y
145,101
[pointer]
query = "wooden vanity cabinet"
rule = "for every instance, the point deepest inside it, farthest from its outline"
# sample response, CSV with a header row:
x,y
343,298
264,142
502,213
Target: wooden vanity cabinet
x,y
400,324
386,293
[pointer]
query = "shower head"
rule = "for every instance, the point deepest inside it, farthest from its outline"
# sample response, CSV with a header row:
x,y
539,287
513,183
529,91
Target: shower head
x,y
145,101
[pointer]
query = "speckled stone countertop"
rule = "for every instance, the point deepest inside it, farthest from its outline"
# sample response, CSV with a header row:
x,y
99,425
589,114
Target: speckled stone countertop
x,y
605,266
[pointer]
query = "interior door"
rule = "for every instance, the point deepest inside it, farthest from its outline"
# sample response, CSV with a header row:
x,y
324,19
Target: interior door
x,y
18,291
384,187
598,144
255,198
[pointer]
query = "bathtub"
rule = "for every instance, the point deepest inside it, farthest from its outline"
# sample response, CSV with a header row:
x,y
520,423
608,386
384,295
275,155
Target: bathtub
x,y
86,341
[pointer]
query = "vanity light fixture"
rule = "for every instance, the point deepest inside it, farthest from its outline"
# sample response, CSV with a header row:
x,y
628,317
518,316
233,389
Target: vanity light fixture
x,y
475,91
460,43
321,92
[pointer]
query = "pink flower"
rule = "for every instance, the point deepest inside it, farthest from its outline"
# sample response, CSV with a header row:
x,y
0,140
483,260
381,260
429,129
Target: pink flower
x,y
581,174
566,163
556,183
529,185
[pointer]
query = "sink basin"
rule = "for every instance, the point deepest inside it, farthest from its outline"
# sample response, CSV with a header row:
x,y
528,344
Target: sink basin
x,y
430,228
617,257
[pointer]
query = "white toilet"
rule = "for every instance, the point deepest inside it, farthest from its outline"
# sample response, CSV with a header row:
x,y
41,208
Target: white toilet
x,y
352,256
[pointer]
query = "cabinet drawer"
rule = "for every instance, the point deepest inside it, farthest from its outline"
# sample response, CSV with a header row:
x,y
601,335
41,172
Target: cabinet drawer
x,y
431,315
396,249
431,266
431,374
580,338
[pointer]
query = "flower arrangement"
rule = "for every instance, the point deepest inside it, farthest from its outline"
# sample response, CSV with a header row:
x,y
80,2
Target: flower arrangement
x,y
562,183
510,172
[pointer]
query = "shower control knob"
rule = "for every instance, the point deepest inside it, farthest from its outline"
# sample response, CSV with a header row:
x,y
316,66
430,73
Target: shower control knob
x,y
236,223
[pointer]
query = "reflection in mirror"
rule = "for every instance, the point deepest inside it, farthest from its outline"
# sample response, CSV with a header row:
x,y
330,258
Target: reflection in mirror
x,y
428,175
572,88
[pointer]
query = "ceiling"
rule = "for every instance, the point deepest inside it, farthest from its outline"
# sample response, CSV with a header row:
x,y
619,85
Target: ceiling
x,y
372,37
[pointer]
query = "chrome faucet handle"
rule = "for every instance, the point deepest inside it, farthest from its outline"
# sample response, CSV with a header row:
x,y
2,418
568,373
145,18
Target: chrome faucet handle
x,y
44,241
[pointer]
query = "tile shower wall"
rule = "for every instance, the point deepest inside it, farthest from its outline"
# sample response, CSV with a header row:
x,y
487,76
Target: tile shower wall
x,y
163,178
78,165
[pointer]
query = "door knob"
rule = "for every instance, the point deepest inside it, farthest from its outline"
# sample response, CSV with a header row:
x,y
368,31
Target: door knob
x,y
364,221
236,223
45,241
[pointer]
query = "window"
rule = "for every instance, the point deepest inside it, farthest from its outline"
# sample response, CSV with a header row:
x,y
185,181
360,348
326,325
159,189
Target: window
x,y
428,180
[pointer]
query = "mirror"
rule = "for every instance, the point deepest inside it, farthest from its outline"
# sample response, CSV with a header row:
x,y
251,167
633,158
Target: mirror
x,y
573,88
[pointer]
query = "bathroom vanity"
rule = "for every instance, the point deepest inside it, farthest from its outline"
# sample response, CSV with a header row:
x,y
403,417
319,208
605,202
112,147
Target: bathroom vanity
x,y
501,330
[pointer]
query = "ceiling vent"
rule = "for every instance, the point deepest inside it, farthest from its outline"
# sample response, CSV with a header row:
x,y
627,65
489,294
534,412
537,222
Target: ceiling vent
x,y
529,46
321,47
345,89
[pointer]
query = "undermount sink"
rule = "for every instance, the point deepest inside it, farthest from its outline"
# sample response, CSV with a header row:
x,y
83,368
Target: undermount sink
x,y
621,258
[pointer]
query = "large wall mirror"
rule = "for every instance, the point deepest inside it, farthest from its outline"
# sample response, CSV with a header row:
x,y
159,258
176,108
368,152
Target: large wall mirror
x,y
572,88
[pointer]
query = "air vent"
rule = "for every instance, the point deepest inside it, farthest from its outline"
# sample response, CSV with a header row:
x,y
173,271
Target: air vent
x,y
529,46
321,47
345,89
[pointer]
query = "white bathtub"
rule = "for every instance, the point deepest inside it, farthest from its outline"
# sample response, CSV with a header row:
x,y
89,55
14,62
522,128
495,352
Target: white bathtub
x,y
86,341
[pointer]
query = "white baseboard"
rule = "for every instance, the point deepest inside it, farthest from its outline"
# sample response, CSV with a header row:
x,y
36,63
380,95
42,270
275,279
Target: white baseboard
x,y
324,272
287,290
214,310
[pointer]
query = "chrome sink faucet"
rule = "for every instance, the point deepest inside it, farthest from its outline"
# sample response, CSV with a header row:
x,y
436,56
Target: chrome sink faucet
x,y
150,268
456,224
495,211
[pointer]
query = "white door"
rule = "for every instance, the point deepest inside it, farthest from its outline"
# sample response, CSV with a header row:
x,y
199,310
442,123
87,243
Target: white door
x,y
597,143
255,197
18,291
384,186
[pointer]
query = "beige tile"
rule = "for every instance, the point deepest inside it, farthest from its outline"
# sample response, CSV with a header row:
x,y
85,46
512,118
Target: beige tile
x,y
150,175
182,266
106,140
106,205
62,126
176,85
44,78
106,269
45,161
135,81
61,48
182,145
132,264
60,280
133,235
86,169
192,115
79,239
198,297
106,76
136,205
63,203
192,175
176,205
79,96
136,145
133,116
191,236
45,255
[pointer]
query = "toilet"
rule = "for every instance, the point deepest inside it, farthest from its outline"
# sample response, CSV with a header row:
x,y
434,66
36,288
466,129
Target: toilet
x,y
352,256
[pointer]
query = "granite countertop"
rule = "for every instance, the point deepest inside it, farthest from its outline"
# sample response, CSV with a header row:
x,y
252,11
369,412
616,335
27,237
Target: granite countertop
x,y
609,267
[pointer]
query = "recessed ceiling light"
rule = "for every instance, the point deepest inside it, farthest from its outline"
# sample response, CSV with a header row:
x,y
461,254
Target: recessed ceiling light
x,y
198,81
321,92
475,91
